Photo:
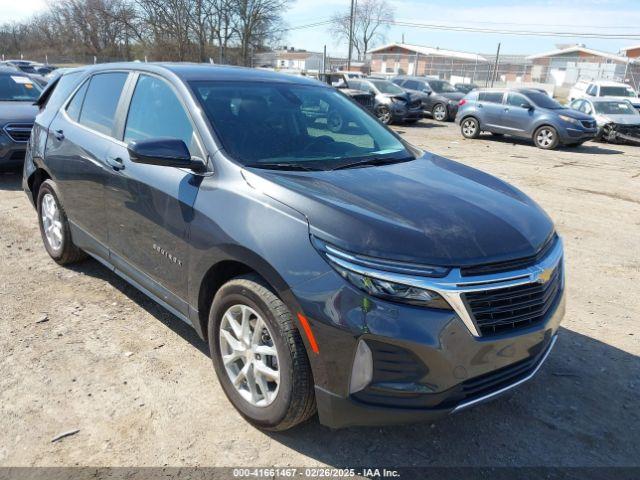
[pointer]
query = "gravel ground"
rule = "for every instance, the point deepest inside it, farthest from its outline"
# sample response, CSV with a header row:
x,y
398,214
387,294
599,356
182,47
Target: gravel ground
x,y
82,350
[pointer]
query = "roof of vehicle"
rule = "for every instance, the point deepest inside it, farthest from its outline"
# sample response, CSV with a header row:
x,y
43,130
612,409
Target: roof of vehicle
x,y
205,71
606,99
608,83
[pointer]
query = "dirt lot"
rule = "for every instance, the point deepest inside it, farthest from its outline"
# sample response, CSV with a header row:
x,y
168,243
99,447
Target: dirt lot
x,y
139,386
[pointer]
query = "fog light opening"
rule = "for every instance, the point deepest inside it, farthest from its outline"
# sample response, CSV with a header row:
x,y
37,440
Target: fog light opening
x,y
362,371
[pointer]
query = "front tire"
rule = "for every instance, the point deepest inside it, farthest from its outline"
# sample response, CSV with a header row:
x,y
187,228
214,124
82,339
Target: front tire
x,y
259,356
54,227
384,114
470,128
546,138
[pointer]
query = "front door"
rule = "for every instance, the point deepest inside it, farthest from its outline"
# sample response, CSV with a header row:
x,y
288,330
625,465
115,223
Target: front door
x,y
490,109
149,207
516,119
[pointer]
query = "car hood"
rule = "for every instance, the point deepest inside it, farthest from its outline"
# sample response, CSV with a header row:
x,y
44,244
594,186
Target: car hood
x,y
570,112
17,112
430,210
452,95
619,119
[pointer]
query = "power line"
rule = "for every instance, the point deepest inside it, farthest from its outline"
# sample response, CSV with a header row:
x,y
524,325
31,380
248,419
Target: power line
x,y
465,29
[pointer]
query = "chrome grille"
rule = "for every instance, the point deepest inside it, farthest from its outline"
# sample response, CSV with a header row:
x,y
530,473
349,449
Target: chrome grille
x,y
505,309
18,132
364,100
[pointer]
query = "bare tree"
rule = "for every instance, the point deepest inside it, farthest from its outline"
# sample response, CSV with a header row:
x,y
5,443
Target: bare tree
x,y
371,22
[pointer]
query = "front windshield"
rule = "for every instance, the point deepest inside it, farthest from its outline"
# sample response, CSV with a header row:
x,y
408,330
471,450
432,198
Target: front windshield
x,y
616,92
440,86
615,108
384,86
303,126
543,100
18,88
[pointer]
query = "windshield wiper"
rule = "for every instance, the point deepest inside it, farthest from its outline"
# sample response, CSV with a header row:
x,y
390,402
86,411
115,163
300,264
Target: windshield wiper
x,y
283,166
374,161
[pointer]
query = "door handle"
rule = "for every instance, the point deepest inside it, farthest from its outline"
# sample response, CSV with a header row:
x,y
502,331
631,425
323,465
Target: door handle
x,y
116,163
506,109
59,134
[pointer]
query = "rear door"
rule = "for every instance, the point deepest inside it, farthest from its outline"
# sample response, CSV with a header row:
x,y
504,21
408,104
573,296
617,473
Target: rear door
x,y
78,138
516,119
149,207
490,110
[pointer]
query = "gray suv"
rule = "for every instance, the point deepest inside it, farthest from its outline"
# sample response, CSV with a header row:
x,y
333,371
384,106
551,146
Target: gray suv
x,y
345,272
524,113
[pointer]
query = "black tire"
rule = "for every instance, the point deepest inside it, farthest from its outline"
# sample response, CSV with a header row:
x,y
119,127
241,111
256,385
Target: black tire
x,y
384,114
440,112
66,252
470,127
295,401
546,137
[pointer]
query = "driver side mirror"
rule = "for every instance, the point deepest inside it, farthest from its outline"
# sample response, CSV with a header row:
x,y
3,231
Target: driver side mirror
x,y
427,91
165,152
528,106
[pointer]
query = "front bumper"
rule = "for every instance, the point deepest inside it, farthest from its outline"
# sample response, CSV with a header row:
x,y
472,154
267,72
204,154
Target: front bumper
x,y
11,153
573,135
338,412
427,363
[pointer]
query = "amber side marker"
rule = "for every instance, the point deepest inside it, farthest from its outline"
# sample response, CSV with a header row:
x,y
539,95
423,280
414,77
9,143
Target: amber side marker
x,y
307,330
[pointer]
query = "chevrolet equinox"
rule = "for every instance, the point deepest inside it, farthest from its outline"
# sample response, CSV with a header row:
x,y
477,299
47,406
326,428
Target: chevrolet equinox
x,y
348,273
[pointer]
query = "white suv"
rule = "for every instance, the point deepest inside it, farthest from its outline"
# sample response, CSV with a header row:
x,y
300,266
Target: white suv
x,y
613,90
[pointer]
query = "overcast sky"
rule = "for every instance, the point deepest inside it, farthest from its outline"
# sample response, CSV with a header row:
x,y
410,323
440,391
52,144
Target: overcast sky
x,y
601,16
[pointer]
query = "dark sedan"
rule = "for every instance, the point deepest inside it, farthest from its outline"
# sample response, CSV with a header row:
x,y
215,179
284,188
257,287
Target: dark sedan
x,y
439,98
17,95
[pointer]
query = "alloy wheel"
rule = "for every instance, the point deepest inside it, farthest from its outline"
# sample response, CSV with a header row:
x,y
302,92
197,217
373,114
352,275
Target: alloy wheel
x,y
545,137
469,128
51,221
439,112
249,355
384,114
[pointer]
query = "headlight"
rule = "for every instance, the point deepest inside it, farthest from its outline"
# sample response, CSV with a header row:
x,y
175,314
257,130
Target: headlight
x,y
360,272
570,120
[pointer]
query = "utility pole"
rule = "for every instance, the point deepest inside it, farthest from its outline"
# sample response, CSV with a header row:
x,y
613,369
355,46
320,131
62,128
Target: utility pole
x,y
324,61
495,67
351,20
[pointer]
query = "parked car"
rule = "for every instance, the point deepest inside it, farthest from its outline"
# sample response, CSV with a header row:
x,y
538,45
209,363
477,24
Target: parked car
x,y
392,104
524,113
17,95
366,99
465,87
26,68
617,120
439,98
613,90
355,273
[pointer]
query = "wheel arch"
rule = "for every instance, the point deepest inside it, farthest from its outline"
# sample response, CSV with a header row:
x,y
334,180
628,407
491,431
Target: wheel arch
x,y
235,261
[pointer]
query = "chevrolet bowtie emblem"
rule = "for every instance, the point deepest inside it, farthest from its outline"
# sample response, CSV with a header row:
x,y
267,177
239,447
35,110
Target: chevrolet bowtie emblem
x,y
545,275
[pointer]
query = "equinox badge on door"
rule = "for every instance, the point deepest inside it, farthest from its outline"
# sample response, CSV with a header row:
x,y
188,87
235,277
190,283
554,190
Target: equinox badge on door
x,y
166,254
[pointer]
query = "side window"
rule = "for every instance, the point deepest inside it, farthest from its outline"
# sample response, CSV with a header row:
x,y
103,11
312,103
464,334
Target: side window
x,y
412,84
101,101
577,105
491,97
591,90
355,84
75,105
516,100
156,112
61,91
398,81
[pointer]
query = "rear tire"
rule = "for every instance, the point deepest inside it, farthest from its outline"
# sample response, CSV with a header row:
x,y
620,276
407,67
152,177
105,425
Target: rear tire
x,y
268,401
546,138
54,227
440,112
470,127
